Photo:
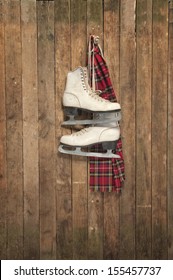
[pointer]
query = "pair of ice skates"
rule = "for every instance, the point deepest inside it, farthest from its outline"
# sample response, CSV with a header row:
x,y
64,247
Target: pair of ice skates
x,y
79,97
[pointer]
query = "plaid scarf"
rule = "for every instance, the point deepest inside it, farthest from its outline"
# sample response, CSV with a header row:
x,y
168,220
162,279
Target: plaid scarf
x,y
106,174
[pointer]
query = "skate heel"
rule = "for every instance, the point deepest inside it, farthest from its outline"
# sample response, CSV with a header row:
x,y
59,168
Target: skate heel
x,y
109,146
71,111
75,116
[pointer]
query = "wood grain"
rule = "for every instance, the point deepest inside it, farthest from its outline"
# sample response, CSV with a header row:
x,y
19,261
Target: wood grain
x,y
14,126
128,95
143,129
170,135
111,54
30,130
79,164
159,130
46,208
95,200
47,147
3,173
63,162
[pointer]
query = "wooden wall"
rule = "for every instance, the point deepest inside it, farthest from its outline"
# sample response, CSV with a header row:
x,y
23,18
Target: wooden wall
x,y
46,208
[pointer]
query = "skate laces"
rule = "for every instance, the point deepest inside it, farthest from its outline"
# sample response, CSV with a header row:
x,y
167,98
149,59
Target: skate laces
x,y
84,78
92,92
93,41
95,95
82,131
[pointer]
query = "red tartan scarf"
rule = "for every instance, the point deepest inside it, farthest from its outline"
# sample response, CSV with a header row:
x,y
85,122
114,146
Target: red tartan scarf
x,y
106,175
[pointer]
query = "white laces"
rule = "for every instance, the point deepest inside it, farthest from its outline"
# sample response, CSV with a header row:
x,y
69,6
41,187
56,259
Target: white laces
x,y
81,132
92,92
91,60
97,97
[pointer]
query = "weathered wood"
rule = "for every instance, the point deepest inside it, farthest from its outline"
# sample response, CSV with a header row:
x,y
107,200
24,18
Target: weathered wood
x,y
30,130
63,162
79,164
95,226
47,143
170,135
159,130
14,130
111,226
127,93
111,54
3,175
95,200
143,129
95,18
46,208
112,41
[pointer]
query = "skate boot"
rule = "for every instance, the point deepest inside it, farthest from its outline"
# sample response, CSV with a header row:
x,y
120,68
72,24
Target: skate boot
x,y
80,143
78,96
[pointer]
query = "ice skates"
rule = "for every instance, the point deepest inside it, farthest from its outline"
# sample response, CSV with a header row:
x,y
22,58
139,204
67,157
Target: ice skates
x,y
79,97
79,143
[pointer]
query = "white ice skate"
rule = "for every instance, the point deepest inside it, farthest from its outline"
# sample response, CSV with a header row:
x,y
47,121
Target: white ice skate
x,y
78,96
79,143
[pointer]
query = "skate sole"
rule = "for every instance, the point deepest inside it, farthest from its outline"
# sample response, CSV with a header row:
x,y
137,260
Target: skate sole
x,y
77,150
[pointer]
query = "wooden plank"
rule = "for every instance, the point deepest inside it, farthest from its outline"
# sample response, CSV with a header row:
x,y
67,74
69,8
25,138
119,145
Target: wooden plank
x,y
95,226
3,175
14,129
127,93
111,226
79,164
95,18
143,129
112,41
170,135
30,130
159,130
95,200
63,162
47,143
111,50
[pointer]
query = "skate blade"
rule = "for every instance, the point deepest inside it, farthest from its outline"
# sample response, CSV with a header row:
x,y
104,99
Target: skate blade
x,y
78,152
73,121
